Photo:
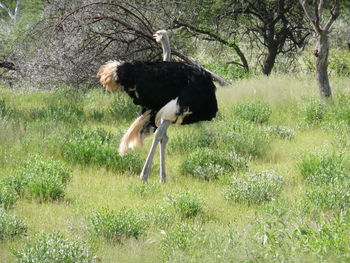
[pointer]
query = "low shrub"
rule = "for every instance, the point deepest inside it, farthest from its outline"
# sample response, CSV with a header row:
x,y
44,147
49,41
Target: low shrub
x,y
244,138
191,139
58,112
258,112
324,167
312,111
99,147
40,178
254,188
54,248
280,132
186,204
8,196
211,164
10,226
117,226
331,196
340,110
123,107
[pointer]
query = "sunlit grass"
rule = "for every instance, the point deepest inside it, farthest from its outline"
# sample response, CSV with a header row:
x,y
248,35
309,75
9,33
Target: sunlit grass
x,y
223,230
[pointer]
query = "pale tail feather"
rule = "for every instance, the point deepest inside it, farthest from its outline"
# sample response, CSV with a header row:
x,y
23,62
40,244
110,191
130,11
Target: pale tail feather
x,y
133,137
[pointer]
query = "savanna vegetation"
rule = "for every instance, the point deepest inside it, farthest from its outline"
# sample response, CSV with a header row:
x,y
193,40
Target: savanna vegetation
x,y
268,180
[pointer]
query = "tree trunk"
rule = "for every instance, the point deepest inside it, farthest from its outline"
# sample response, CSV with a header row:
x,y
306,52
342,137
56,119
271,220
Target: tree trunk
x,y
321,53
269,61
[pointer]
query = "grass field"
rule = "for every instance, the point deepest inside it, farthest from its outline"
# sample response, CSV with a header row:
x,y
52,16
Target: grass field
x,y
267,181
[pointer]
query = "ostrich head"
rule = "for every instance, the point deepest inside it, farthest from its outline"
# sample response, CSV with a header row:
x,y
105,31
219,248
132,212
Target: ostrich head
x,y
161,36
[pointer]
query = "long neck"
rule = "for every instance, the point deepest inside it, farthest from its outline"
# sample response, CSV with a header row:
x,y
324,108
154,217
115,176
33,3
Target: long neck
x,y
166,49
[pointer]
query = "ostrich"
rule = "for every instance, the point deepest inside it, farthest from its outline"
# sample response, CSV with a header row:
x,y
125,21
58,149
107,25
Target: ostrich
x,y
168,92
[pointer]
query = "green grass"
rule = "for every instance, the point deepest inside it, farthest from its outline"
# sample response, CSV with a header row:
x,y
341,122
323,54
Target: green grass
x,y
63,184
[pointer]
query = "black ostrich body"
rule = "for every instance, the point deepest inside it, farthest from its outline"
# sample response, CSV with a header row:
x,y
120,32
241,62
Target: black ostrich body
x,y
168,92
154,84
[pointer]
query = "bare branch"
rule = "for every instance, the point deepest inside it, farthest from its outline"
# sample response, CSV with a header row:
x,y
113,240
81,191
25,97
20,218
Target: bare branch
x,y
313,19
335,12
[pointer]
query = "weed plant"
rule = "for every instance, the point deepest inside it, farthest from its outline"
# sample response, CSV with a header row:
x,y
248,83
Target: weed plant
x,y
280,132
144,190
98,147
324,167
254,188
258,112
54,248
186,204
43,179
8,196
244,138
117,226
211,164
312,111
10,225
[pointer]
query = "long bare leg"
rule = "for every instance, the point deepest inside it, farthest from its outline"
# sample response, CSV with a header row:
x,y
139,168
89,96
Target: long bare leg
x,y
163,143
161,131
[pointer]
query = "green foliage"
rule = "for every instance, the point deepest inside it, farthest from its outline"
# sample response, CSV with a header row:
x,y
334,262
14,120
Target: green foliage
x,y
189,140
43,179
54,248
244,138
324,167
122,107
312,111
258,112
117,226
144,190
98,147
10,226
339,63
254,188
186,204
4,110
331,196
280,132
340,110
58,112
8,196
228,71
211,164
178,238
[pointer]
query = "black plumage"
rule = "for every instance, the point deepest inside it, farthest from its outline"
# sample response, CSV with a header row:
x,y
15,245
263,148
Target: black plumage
x,y
167,92
153,84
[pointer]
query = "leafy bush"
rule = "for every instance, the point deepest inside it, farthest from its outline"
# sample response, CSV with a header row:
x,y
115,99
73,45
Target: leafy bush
x,y
178,238
211,164
39,178
340,110
280,131
254,188
54,248
10,226
244,138
258,112
332,196
186,204
8,196
123,107
312,111
98,147
117,227
324,167
189,140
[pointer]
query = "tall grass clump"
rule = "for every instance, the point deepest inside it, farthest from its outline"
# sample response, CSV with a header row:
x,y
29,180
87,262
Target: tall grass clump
x,y
122,107
254,188
244,138
312,111
117,226
186,204
340,110
211,164
54,248
43,179
8,196
324,167
99,147
5,111
10,225
258,112
280,132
